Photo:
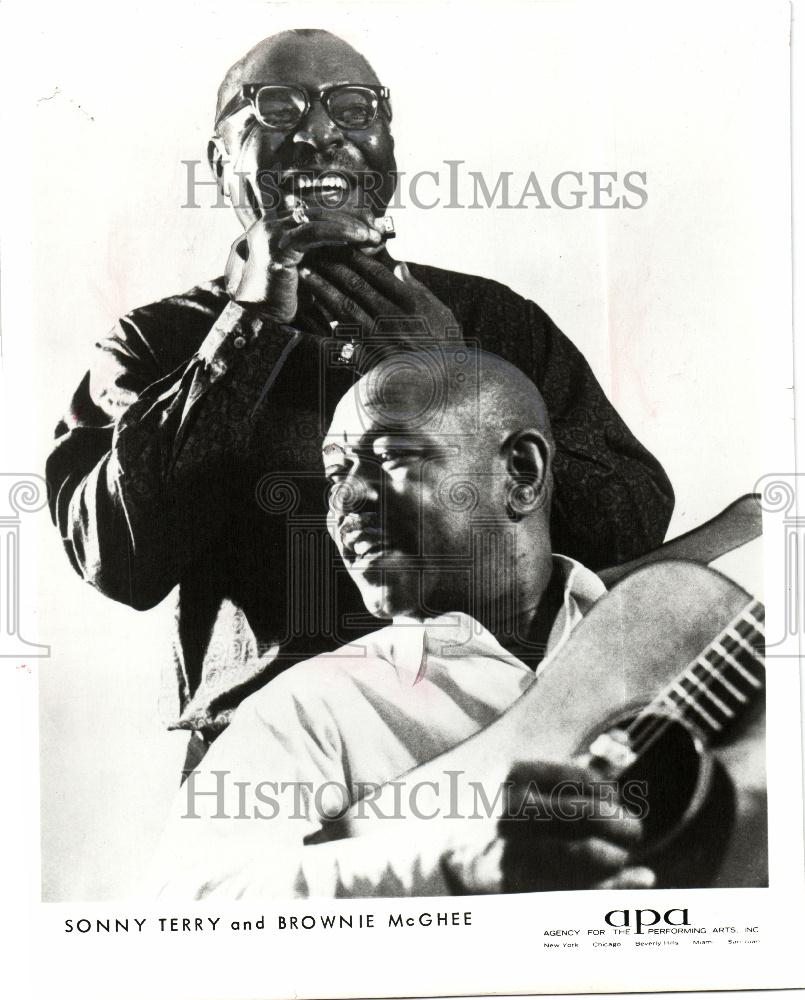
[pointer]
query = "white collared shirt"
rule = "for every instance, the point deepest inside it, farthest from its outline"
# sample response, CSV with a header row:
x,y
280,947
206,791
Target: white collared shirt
x,y
362,715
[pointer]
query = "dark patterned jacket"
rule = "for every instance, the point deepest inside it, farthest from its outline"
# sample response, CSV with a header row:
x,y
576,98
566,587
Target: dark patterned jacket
x,y
190,459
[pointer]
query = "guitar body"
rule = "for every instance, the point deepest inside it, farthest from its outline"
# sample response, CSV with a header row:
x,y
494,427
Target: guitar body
x,y
706,822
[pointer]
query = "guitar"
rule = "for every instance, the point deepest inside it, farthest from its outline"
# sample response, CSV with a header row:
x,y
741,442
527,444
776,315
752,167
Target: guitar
x,y
663,682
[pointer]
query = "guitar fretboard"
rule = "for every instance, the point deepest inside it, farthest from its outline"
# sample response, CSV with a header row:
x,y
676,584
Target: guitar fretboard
x,y
718,686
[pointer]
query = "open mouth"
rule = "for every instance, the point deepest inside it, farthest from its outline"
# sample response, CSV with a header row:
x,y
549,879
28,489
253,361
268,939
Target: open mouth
x,y
362,546
366,551
328,189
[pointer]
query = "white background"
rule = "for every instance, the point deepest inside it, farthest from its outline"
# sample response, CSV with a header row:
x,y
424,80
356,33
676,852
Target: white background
x,y
682,308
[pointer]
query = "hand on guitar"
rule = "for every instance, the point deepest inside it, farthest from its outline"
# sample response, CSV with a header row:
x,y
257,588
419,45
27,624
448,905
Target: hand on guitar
x,y
558,832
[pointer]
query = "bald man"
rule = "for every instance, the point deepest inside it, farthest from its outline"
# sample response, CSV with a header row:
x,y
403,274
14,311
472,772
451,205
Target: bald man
x,y
440,492
189,458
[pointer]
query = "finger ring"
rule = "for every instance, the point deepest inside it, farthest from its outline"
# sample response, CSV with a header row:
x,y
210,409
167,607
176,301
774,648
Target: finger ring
x,y
347,353
385,226
299,215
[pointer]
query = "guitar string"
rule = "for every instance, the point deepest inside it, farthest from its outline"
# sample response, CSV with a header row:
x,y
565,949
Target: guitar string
x,y
690,701
714,674
681,709
659,724
742,643
662,720
659,718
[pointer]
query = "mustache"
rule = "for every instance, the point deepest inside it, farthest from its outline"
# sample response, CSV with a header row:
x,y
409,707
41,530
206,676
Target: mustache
x,y
358,524
304,157
370,526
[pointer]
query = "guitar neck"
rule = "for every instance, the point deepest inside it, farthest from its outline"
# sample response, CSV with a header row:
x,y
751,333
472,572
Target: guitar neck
x,y
719,687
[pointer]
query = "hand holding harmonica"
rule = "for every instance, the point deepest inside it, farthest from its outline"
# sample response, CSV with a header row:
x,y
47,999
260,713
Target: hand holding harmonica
x,y
262,269
378,311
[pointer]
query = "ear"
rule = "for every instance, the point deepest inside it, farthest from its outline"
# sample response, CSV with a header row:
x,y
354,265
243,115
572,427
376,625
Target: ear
x,y
237,190
217,158
528,461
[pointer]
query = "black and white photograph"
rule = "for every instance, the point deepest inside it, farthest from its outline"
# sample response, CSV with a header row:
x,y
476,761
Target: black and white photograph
x,y
400,462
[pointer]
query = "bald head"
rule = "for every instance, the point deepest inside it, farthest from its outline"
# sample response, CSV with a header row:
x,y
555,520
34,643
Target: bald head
x,y
457,391
293,55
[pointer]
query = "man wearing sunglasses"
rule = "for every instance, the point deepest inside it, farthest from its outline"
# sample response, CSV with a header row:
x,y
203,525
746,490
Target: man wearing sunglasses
x,y
190,453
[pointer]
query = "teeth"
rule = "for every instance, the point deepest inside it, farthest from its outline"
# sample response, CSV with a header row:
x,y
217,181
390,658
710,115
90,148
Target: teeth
x,y
361,547
325,181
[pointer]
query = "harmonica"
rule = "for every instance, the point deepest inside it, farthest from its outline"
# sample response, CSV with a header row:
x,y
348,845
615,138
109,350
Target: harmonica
x,y
297,210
